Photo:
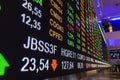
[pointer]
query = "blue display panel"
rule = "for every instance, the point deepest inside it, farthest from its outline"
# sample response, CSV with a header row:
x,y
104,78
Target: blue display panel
x,y
115,54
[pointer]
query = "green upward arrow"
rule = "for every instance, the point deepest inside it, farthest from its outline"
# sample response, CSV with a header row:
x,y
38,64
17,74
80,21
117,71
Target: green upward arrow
x,y
3,65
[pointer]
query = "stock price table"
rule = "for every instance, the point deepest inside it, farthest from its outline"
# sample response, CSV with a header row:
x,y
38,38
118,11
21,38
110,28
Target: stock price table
x,y
43,38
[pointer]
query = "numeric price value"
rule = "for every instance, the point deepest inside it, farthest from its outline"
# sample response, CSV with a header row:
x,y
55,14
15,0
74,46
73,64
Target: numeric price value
x,y
67,65
32,23
28,5
30,64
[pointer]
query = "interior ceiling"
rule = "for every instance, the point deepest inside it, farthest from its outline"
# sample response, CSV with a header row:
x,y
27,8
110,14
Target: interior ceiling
x,y
110,8
105,10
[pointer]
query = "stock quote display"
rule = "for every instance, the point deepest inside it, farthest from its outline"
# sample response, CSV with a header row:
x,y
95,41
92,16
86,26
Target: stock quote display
x,y
40,39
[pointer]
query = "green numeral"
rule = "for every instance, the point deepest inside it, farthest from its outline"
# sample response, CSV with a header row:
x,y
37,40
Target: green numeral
x,y
0,7
39,2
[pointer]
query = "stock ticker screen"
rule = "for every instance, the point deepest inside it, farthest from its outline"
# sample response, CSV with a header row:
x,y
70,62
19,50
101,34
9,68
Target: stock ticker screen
x,y
40,39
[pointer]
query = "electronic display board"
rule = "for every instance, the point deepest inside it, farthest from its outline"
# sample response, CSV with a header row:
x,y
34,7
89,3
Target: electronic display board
x,y
40,39
115,57
114,54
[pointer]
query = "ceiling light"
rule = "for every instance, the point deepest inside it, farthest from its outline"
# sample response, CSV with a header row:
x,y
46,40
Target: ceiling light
x,y
99,21
118,18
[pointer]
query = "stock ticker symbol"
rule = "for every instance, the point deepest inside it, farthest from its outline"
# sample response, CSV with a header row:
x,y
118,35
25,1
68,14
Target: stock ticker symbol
x,y
54,64
3,65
